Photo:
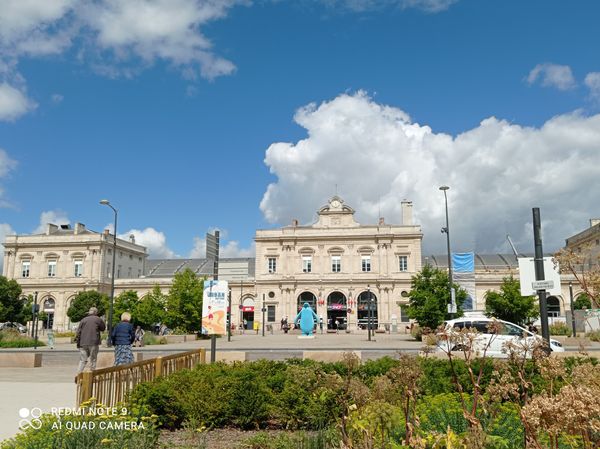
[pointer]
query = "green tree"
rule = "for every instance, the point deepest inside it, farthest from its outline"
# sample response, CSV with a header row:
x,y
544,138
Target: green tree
x,y
83,301
184,303
150,309
582,302
125,302
509,305
430,296
11,303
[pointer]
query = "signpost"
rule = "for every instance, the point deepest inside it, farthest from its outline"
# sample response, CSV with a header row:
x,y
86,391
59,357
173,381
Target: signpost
x,y
539,273
212,252
214,311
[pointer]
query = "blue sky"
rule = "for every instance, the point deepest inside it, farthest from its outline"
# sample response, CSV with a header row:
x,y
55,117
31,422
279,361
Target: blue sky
x,y
183,112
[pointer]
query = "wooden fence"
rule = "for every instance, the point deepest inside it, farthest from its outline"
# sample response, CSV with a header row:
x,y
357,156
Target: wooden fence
x,y
109,386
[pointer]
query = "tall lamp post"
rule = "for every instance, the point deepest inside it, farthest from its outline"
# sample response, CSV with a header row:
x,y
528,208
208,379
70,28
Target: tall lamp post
x,y
446,230
572,310
369,311
112,278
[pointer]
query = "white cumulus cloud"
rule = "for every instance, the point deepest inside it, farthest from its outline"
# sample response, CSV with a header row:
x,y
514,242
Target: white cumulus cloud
x,y
592,82
57,217
154,241
497,172
13,103
552,75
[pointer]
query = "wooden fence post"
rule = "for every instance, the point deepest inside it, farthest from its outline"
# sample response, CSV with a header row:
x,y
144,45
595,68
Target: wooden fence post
x,y
86,386
158,367
202,355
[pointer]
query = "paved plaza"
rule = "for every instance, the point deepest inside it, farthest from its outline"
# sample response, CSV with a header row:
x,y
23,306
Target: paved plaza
x,y
52,385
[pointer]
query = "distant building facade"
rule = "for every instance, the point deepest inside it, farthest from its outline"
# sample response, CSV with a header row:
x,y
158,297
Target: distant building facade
x,y
340,267
588,242
66,260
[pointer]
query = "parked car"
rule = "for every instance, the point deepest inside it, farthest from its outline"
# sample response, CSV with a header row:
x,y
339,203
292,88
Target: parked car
x,y
15,326
495,343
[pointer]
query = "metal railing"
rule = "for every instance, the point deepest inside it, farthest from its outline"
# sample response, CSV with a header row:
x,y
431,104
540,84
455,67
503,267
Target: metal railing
x,y
110,386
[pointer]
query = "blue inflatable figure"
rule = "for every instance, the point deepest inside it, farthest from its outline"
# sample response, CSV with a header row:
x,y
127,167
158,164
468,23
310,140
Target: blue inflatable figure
x,y
307,318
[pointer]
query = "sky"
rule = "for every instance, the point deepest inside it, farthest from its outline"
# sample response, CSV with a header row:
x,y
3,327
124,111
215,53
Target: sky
x,y
195,115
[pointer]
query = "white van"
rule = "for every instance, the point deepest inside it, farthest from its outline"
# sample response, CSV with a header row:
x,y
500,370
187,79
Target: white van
x,y
508,332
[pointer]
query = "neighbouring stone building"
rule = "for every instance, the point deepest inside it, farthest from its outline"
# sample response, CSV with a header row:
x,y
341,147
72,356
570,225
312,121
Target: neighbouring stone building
x,y
66,260
339,266
587,241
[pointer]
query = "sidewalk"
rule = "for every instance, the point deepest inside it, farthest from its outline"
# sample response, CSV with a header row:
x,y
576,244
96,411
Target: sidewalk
x,y
29,388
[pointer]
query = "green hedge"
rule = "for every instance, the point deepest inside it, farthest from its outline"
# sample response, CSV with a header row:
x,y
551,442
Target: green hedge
x,y
297,394
12,339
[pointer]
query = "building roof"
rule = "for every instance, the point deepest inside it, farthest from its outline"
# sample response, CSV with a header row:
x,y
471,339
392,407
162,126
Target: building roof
x,y
165,268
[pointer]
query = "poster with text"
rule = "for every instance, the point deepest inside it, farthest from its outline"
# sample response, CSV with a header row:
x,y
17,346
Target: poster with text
x,y
214,307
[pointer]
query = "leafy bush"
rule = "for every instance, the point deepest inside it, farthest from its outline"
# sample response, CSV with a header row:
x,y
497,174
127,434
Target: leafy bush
x,y
560,329
594,335
13,339
151,339
64,334
323,439
440,412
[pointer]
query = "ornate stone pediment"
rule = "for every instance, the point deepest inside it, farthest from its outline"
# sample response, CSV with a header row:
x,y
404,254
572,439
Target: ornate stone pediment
x,y
336,215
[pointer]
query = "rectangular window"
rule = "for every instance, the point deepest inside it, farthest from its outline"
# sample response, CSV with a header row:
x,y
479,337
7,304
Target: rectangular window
x,y
51,268
306,264
26,265
78,268
139,272
366,263
108,270
271,314
129,272
119,272
336,264
272,265
403,263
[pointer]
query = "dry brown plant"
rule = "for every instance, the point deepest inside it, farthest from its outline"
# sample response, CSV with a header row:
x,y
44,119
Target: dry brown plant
x,y
469,343
584,267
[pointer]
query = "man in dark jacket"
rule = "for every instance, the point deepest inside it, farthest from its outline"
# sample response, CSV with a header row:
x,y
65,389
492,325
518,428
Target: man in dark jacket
x,y
88,338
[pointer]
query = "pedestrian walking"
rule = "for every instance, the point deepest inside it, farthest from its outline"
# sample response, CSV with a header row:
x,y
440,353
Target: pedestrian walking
x,y
88,339
139,336
256,327
321,323
123,336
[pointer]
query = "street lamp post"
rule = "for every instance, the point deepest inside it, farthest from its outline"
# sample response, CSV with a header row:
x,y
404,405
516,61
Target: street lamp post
x,y
112,278
369,311
229,316
572,310
35,320
446,230
263,316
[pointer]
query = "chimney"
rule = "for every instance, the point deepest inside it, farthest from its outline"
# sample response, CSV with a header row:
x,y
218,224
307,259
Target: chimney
x,y
381,221
106,232
407,213
594,222
132,238
294,222
51,229
79,228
